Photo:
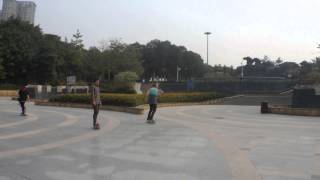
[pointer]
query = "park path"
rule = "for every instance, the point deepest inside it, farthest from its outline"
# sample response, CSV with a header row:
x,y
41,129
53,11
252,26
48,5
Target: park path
x,y
255,146
58,144
190,143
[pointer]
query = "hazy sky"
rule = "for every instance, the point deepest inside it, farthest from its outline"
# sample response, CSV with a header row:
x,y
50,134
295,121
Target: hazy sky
x,y
278,28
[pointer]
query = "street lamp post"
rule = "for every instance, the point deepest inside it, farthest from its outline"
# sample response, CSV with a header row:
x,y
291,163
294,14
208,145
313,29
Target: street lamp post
x,y
242,73
207,34
178,71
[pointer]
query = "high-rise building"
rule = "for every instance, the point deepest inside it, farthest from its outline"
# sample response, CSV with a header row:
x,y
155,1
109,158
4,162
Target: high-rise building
x,y
24,10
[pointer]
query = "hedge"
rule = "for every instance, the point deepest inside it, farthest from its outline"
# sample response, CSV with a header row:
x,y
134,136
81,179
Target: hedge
x,y
122,88
188,97
131,100
108,99
9,87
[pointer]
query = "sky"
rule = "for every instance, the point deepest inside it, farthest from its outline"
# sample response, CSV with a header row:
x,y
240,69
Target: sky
x,y
289,29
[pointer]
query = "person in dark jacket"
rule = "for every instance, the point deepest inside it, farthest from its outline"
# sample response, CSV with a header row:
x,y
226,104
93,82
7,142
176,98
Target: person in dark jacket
x,y
96,103
23,97
153,94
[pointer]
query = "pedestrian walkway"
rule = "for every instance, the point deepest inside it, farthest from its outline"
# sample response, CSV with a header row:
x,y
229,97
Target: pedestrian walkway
x,y
58,143
222,142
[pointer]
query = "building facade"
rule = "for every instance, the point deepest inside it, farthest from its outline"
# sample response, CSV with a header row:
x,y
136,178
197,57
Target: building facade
x,y
24,10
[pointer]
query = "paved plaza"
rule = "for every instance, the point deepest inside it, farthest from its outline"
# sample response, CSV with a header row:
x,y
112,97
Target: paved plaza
x,y
187,143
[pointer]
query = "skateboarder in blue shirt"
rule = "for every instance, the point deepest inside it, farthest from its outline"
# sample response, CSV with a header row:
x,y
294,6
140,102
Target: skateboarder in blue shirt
x,y
153,94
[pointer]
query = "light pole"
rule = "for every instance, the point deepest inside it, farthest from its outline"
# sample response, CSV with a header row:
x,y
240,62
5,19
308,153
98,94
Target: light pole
x,y
242,73
178,70
207,34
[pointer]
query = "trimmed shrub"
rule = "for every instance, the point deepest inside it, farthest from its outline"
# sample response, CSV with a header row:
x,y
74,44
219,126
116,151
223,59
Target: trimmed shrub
x,y
132,100
113,87
107,99
127,76
188,97
9,87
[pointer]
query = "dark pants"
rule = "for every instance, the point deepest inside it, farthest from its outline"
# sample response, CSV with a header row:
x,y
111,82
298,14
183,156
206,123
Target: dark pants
x,y
23,107
152,111
96,109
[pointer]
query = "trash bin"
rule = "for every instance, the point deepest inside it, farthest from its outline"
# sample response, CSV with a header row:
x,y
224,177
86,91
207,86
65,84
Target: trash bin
x,y
264,108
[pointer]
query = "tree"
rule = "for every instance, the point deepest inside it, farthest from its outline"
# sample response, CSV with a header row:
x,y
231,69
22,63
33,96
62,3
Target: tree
x,y
77,41
126,76
219,72
305,68
289,69
94,65
19,44
161,59
120,57
2,72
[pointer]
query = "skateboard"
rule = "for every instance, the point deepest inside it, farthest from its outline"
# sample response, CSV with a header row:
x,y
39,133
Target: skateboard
x,y
151,122
97,126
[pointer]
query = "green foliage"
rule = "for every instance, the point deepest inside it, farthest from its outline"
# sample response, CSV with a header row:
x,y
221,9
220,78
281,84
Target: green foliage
x,y
132,100
9,87
29,55
77,41
188,97
126,76
107,99
161,59
219,72
120,57
2,71
19,44
118,87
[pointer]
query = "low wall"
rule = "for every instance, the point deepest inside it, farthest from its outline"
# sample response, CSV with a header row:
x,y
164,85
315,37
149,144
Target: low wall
x,y
132,110
295,111
8,93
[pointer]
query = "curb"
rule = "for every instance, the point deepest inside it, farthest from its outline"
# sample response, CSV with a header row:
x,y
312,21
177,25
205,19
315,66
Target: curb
x,y
131,110
284,110
8,93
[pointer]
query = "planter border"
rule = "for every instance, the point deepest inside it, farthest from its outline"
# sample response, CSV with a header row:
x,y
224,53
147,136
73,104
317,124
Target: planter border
x,y
132,110
8,93
285,110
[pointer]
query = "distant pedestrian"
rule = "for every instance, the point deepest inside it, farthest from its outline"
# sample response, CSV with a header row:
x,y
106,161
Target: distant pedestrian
x,y
96,103
153,94
23,97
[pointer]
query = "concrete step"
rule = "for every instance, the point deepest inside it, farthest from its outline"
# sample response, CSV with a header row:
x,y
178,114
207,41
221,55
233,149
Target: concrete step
x,y
255,100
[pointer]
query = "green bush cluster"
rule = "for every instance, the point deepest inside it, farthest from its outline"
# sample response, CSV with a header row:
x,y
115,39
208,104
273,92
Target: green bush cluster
x,y
9,87
124,87
132,100
188,97
129,100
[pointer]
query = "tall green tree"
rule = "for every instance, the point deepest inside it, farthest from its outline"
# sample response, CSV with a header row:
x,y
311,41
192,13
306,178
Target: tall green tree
x,y
161,59
19,45
77,41
120,57
2,72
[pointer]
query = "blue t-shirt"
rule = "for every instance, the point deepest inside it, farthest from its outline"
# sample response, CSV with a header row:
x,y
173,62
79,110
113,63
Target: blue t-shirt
x,y
153,96
154,91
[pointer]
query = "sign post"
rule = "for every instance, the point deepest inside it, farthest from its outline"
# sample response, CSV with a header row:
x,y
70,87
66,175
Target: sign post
x,y
71,80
